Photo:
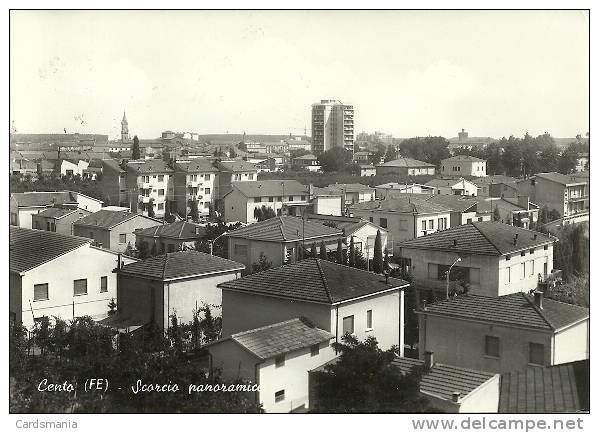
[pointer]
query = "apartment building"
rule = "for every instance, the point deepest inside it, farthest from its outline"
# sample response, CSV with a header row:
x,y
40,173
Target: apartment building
x,y
195,181
150,183
405,167
306,162
233,171
332,125
464,165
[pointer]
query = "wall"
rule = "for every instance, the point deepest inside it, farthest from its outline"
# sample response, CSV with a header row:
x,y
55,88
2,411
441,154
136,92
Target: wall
x,y
137,299
235,362
462,343
88,203
514,280
15,297
273,251
327,205
84,262
127,228
243,311
572,344
485,399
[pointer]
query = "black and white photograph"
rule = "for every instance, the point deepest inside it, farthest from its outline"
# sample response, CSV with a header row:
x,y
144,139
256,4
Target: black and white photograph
x,y
303,211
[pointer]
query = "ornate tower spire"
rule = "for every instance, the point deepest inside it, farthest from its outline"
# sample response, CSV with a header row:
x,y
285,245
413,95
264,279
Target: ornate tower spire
x,y
124,128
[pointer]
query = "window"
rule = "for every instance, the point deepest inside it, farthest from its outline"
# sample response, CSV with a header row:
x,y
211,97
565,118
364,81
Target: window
x,y
545,247
507,275
523,253
122,238
536,353
480,219
13,219
161,192
469,220
279,396
314,350
403,225
206,191
508,257
431,224
432,271
271,199
257,199
523,271
492,346
371,219
290,198
530,265
80,287
251,176
303,197
280,361
348,325
161,178
424,225
160,206
474,275
40,292
207,205
441,224
103,284
383,222
91,235
532,251
207,176
369,319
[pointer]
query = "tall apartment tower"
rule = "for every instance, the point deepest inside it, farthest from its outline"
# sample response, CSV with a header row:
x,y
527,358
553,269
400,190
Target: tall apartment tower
x,y
332,125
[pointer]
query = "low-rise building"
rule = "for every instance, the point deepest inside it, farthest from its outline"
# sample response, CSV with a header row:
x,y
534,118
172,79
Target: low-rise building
x,y
406,167
520,212
59,220
73,168
336,298
149,183
195,182
582,161
463,209
114,184
113,230
390,189
283,197
168,238
278,357
179,283
233,171
279,239
494,185
464,165
453,187
495,259
504,334
306,162
404,217
326,202
367,170
52,274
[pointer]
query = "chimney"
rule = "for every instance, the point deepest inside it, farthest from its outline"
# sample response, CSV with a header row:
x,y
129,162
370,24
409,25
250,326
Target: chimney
x,y
515,238
118,261
534,237
429,360
455,242
455,396
539,299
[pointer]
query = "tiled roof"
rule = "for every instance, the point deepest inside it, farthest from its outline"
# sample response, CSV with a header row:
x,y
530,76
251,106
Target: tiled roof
x,y
405,162
270,188
445,182
492,179
457,203
314,280
30,248
284,229
180,264
515,309
443,380
44,198
559,178
150,166
488,204
349,187
56,212
199,165
556,389
109,218
401,205
463,158
488,237
280,338
308,157
182,230
236,166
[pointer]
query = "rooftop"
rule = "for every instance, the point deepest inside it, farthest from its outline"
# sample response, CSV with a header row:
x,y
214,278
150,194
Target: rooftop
x,y
58,213
516,309
314,280
463,158
150,166
270,188
31,248
487,238
308,157
556,389
348,187
457,203
196,165
405,162
492,179
46,198
560,178
110,218
443,380
181,264
236,166
446,182
284,229
401,205
280,338
181,230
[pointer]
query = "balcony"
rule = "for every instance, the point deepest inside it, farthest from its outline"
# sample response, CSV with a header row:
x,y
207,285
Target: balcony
x,y
145,199
193,183
146,185
550,280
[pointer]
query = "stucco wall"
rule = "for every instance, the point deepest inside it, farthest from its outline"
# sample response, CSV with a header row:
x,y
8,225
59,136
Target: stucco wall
x,y
234,362
484,399
572,344
325,205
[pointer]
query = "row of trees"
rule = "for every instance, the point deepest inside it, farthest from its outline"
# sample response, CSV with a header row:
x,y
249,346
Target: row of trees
x,y
55,182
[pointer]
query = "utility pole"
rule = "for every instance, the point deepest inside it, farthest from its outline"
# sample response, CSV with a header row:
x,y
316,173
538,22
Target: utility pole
x,y
459,259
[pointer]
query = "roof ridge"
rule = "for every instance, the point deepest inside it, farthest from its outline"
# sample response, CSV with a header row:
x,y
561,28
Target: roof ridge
x,y
164,267
261,328
486,237
538,310
324,280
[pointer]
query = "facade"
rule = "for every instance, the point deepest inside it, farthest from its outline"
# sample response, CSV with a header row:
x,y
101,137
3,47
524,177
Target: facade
x,y
464,165
59,220
582,162
495,259
490,186
504,334
332,125
113,230
326,203
151,290
25,204
404,217
73,168
52,274
114,184
566,194
453,187
168,238
278,357
233,171
520,212
405,167
463,209
335,298
284,197
367,170
279,239
150,183
392,188
195,182
306,162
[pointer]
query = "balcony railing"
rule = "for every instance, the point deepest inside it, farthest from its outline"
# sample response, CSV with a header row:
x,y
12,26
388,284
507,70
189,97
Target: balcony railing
x,y
550,280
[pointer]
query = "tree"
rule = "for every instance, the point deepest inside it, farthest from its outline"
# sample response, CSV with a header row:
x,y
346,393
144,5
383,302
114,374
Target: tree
x,y
386,260
313,252
150,208
496,214
211,326
340,251
193,210
567,162
427,149
112,307
391,154
144,250
263,264
365,381
168,216
323,251
352,253
574,291
263,213
196,329
135,153
377,261
335,159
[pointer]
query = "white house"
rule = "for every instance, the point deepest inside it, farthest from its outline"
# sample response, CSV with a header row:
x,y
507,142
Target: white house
x,y
53,274
278,357
464,165
72,168
453,187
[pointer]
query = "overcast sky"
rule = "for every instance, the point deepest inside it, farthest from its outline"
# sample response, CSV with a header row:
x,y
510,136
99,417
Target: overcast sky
x,y
407,73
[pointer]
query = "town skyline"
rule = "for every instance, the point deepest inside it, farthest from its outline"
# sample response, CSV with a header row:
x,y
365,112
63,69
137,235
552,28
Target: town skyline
x,y
430,89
